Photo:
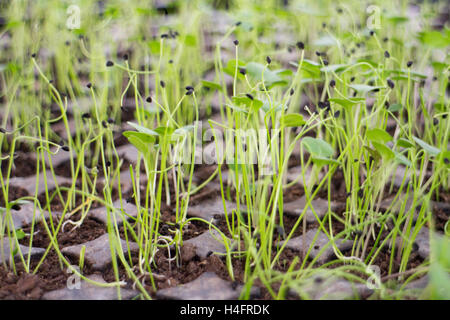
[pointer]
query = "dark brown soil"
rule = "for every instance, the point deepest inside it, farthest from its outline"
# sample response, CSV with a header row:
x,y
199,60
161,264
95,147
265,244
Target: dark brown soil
x,y
23,166
188,267
25,286
89,230
13,194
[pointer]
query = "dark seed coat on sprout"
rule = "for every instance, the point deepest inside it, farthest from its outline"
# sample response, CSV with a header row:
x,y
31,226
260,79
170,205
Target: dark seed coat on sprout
x,y
162,83
15,207
332,83
372,32
104,124
291,92
242,71
109,63
125,57
149,99
89,85
249,96
352,79
386,54
110,120
446,160
65,148
268,60
189,88
33,55
300,45
318,53
86,115
236,42
409,64
2,130
325,62
390,83
164,36
337,113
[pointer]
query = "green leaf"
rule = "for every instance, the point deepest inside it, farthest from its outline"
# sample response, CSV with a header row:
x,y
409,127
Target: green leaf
x,y
433,151
164,131
279,107
293,120
309,69
347,103
142,129
323,161
441,107
318,147
271,78
395,107
439,67
230,69
402,159
434,39
211,85
284,72
20,234
249,103
140,140
235,108
384,151
404,143
112,12
378,135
